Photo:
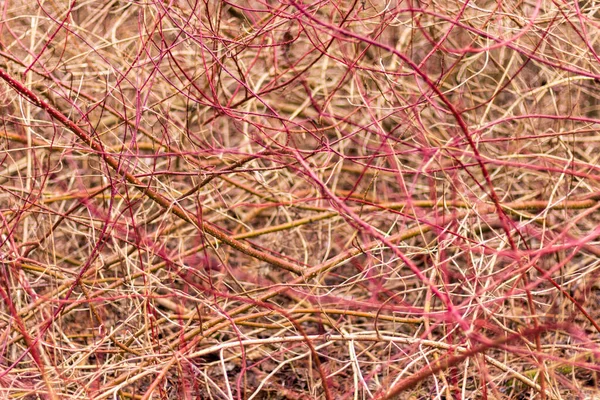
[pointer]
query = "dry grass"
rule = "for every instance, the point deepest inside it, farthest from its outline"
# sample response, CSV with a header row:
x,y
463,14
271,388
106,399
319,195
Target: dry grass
x,y
294,200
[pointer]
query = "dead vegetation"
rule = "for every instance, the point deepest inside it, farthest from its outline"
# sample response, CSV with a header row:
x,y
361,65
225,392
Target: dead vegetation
x,y
296,200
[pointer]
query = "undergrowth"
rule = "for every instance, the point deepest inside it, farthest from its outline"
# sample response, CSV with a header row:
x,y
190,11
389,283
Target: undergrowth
x,y
299,200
